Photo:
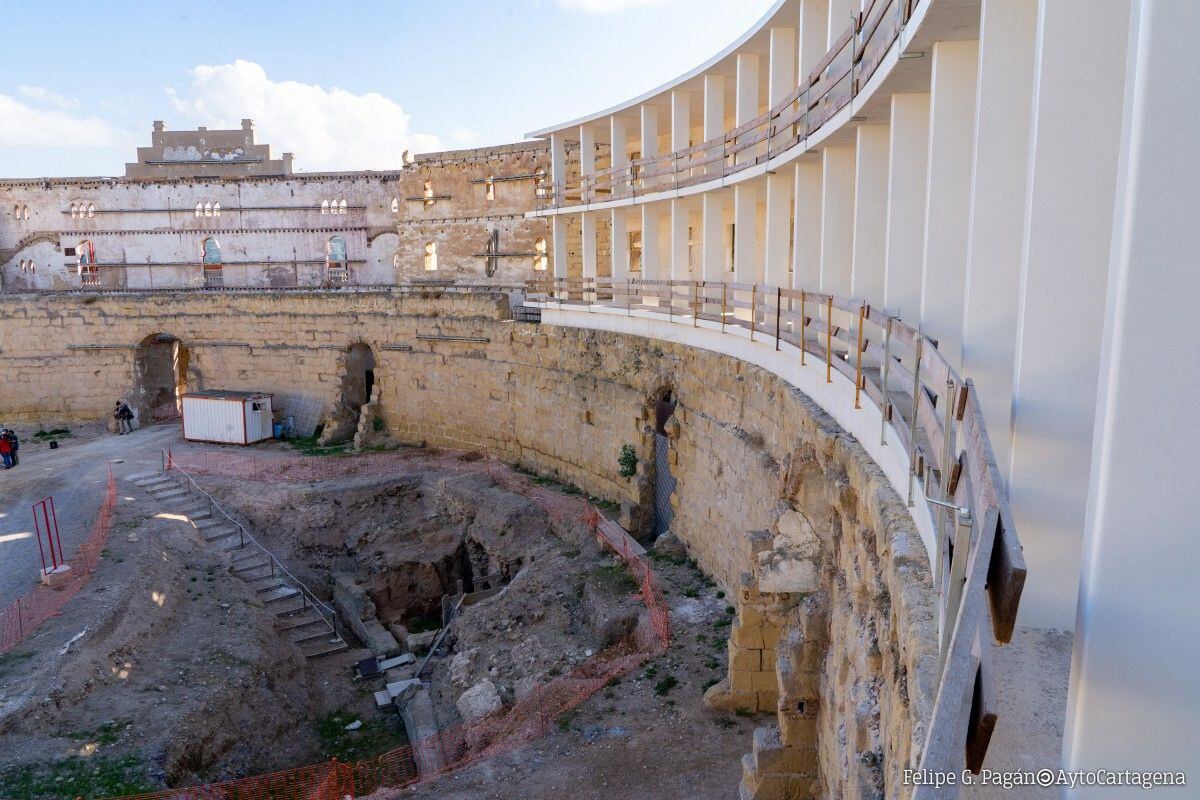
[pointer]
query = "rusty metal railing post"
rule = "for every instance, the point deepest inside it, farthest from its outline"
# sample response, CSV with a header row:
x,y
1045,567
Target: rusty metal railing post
x,y
858,373
829,339
885,408
912,426
723,301
803,327
753,309
778,312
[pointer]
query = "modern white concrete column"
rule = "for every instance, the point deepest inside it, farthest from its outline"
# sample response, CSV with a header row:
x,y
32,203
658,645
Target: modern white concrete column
x,y
649,130
712,258
840,15
558,157
652,214
806,231
1078,96
714,106
781,74
681,120
870,212
559,234
1133,701
587,249
948,193
620,242
837,219
618,147
746,95
778,226
747,267
1007,31
681,210
813,37
587,152
908,167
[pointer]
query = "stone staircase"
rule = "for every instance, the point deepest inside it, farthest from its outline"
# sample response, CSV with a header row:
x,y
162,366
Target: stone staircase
x,y
295,615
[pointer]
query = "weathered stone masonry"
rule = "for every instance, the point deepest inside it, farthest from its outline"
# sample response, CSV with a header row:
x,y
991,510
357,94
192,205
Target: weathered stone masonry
x,y
835,629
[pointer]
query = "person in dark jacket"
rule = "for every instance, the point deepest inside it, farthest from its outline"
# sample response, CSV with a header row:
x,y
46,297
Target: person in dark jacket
x,y
6,450
123,414
14,445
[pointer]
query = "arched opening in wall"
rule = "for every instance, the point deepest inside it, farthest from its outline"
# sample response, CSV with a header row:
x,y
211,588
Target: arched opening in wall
x,y
89,270
353,408
336,271
663,482
210,250
160,368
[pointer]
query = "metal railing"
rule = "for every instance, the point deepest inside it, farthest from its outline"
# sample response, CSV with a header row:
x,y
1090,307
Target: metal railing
x,y
935,416
307,597
831,86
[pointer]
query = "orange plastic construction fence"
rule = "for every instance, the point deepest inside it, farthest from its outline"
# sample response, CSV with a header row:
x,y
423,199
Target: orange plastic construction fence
x,y
25,614
469,742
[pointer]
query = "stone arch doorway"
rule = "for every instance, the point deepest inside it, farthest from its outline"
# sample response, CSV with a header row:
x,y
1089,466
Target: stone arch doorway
x,y
663,483
160,367
358,385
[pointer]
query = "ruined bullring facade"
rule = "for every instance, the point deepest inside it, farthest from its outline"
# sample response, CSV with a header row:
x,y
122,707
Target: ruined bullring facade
x,y
839,654
212,209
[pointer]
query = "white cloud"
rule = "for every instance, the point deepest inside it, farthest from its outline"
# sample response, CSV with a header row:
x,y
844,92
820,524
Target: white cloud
x,y
43,96
606,6
327,129
27,125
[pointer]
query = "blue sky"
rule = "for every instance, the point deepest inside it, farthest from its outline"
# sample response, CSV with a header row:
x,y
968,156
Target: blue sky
x,y
345,85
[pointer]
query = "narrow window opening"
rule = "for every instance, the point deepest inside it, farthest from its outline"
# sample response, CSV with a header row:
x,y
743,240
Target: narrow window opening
x,y
431,263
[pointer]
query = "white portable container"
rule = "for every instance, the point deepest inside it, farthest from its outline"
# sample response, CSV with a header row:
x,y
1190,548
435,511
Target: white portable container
x,y
229,417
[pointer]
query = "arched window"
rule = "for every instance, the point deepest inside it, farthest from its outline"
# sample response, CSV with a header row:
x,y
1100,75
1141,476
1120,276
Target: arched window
x,y
427,193
431,264
216,209
335,251
91,211
342,206
212,251
541,260
89,271
396,260
26,215
199,209
324,206
208,209
74,211
490,187
395,205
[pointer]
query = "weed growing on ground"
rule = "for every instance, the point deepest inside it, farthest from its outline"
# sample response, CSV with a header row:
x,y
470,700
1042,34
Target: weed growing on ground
x,y
708,684
57,433
377,735
666,685
724,723
10,660
564,722
307,445
615,578
77,777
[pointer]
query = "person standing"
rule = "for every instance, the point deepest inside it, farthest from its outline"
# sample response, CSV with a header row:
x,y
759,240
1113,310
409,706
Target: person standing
x,y
123,414
14,445
6,450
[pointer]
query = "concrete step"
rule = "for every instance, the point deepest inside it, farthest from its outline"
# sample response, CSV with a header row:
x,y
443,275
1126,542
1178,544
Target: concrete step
x,y
144,478
166,495
215,532
306,618
229,543
211,522
248,567
279,593
255,573
247,556
195,511
268,584
288,608
302,635
323,647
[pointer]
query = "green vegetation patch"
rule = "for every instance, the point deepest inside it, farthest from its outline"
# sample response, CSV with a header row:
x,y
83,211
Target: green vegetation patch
x,y
78,777
615,578
57,433
308,446
377,735
13,659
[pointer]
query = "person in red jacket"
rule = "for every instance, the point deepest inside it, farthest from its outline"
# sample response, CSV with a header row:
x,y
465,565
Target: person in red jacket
x,y
6,449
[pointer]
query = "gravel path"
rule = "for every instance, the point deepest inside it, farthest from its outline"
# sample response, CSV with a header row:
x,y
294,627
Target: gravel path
x,y
74,475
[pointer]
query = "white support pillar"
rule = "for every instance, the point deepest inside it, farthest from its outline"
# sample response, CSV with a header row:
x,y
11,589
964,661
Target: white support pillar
x,y
870,212
908,168
837,219
1078,94
1133,702
587,225
618,139
681,212
619,251
587,150
714,106
781,74
713,247
747,267
746,95
841,13
1007,31
948,193
559,235
814,33
778,235
652,214
649,130
681,120
806,232
558,158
